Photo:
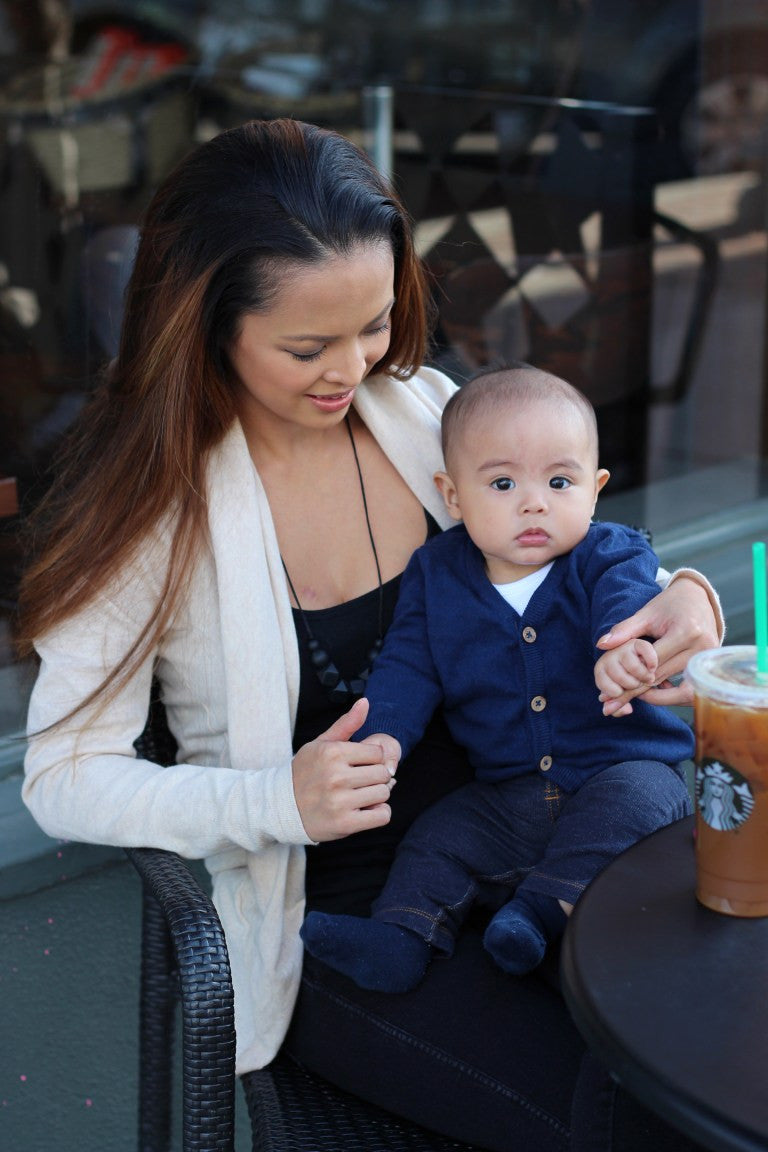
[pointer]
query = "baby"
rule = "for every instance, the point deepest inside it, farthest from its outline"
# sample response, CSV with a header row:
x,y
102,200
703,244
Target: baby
x,y
497,623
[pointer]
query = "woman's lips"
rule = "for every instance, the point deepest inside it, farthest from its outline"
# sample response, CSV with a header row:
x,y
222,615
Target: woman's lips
x,y
332,403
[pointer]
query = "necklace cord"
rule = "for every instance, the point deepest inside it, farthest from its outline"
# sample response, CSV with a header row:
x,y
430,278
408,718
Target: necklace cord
x,y
324,666
367,521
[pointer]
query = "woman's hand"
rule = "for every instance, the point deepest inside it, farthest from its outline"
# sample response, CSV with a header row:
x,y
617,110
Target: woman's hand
x,y
681,621
342,787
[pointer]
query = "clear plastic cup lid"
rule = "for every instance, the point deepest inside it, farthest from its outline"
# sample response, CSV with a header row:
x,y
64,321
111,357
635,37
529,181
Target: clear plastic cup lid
x,y
729,675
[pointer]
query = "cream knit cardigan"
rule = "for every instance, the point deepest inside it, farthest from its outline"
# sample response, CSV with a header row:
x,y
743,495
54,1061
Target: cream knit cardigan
x,y
229,669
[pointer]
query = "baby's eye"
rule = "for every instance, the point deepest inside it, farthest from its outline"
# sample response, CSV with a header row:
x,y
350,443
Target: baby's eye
x,y
502,483
559,483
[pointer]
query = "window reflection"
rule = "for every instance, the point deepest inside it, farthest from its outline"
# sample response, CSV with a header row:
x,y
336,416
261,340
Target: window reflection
x,y
631,261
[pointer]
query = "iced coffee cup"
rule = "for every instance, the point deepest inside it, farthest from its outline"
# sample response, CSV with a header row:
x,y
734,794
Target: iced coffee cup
x,y
731,780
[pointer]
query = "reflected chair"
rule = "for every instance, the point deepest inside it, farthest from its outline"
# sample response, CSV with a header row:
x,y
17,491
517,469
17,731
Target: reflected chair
x,y
536,220
184,962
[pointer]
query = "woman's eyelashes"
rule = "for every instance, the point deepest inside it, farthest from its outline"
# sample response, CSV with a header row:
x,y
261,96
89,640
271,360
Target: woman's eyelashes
x,y
308,357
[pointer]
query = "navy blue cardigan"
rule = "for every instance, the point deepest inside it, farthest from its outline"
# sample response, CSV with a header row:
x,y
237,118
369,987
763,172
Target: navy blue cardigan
x,y
519,692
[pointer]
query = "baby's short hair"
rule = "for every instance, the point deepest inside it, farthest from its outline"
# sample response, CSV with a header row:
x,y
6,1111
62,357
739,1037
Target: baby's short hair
x,y
517,383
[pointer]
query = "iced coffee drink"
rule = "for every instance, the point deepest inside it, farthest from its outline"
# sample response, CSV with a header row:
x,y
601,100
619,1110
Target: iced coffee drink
x,y
731,721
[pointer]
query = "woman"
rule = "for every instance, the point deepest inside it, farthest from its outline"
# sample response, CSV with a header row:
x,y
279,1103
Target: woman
x,y
233,520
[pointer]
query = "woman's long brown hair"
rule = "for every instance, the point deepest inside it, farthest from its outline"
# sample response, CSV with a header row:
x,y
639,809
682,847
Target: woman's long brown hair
x,y
214,241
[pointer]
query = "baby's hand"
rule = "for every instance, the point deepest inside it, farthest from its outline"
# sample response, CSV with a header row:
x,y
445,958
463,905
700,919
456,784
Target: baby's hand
x,y
630,666
391,749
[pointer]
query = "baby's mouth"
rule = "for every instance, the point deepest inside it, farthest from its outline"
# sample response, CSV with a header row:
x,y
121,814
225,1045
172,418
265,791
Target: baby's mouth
x,y
533,536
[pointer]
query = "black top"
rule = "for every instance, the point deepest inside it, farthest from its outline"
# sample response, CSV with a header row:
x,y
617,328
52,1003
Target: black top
x,y
346,875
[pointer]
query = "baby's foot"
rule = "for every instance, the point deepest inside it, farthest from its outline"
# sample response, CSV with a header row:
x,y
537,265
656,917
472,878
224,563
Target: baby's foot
x,y
516,943
377,955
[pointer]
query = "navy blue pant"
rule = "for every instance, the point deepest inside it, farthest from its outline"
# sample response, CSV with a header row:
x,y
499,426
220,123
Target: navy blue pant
x,y
526,833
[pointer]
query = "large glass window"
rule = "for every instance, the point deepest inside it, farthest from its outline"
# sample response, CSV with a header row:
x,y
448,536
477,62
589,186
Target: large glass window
x,y
587,178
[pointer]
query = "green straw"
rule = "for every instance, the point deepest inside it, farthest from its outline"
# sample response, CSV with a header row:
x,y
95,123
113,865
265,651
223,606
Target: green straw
x,y
761,610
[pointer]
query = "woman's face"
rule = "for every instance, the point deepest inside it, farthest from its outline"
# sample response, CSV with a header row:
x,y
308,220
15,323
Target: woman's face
x,y
300,362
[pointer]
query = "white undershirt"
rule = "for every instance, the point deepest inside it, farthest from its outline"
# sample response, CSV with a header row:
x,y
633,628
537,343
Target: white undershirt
x,y
518,593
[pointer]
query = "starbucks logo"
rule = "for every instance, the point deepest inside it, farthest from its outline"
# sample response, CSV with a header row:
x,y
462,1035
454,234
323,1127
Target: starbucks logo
x,y
724,797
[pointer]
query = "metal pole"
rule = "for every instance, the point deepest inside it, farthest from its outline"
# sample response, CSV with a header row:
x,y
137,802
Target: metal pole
x,y
378,119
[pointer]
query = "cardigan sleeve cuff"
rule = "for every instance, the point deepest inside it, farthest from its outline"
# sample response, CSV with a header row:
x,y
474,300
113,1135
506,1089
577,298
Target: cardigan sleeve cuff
x,y
714,599
272,804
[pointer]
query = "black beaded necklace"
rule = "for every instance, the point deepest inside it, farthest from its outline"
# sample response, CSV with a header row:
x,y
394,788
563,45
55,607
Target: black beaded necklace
x,y
343,691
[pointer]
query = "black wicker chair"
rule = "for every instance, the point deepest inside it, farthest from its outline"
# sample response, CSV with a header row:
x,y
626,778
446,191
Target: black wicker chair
x,y
184,957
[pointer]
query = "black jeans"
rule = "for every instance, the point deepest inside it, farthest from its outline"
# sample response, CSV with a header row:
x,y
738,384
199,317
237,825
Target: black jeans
x,y
483,1057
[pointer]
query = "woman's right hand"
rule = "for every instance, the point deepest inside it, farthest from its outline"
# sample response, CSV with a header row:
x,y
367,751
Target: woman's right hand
x,y
342,787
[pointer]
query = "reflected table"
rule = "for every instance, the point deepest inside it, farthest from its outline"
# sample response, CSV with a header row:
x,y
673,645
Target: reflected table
x,y
672,997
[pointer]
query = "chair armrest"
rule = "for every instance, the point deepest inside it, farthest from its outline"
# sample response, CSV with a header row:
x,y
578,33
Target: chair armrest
x,y
183,948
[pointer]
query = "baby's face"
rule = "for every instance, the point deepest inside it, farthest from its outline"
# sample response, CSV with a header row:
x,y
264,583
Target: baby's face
x,y
525,485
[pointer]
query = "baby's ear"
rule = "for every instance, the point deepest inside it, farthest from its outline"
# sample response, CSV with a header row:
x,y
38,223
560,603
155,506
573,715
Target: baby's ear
x,y
447,490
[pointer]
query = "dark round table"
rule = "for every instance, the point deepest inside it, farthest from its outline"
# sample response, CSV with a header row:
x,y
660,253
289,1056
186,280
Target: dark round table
x,y
672,997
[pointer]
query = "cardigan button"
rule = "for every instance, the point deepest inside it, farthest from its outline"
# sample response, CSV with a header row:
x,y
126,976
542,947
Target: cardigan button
x,y
545,763
538,703
529,634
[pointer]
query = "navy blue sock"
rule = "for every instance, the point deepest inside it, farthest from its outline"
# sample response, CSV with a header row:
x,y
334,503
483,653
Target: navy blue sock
x,y
518,935
377,955
545,910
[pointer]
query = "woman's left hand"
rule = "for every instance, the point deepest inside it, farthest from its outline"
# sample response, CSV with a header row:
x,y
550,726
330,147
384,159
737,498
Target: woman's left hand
x,y
681,621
